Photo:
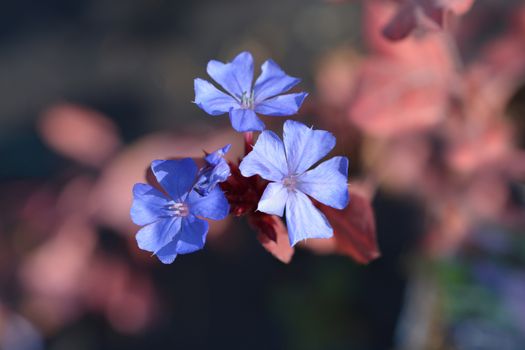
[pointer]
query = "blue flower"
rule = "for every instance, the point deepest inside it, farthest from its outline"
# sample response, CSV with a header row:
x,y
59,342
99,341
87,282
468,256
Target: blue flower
x,y
286,166
172,218
216,170
241,100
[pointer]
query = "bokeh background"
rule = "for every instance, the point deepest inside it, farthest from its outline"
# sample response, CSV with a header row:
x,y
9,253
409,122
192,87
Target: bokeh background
x,y
92,91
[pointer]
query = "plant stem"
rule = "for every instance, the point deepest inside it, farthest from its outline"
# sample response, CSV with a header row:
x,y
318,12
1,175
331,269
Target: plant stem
x,y
248,142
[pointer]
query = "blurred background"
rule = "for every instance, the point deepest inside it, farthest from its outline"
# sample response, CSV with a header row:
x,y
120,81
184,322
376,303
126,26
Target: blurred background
x,y
434,124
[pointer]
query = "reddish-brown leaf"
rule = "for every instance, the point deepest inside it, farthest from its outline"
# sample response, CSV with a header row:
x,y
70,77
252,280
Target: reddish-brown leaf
x,y
458,7
393,97
273,235
354,229
79,133
402,24
423,15
243,193
414,15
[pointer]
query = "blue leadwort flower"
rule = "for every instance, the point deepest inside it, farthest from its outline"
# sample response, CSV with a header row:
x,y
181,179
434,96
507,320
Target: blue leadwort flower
x,y
241,100
216,170
286,166
172,219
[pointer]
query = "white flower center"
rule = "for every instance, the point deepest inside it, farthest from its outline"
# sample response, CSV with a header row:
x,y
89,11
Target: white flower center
x,y
180,209
247,100
290,183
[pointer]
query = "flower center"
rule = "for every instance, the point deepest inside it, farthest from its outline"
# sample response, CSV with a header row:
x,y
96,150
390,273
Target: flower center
x,y
247,100
290,182
180,209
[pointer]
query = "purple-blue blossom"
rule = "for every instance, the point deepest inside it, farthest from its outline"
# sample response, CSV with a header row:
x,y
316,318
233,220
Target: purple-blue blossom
x,y
242,100
172,219
215,171
286,165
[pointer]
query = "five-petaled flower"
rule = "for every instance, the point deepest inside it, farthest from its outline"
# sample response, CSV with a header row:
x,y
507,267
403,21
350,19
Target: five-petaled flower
x,y
241,100
171,218
286,166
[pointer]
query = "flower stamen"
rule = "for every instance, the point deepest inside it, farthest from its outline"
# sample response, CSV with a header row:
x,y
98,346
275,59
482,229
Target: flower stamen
x,y
290,183
180,209
247,100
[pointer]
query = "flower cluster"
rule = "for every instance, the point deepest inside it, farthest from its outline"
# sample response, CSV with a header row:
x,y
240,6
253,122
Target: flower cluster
x,y
275,178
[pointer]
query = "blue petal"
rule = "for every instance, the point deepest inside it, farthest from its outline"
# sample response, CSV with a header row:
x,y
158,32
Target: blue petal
x,y
327,183
217,170
192,236
175,176
168,254
211,100
304,146
148,204
303,220
281,105
273,199
211,176
216,157
267,158
235,77
245,120
220,170
219,173
212,206
155,236
272,81
342,166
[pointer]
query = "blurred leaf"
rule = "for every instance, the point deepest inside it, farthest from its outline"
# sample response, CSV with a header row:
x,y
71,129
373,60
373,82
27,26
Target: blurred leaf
x,y
354,229
79,133
273,235
422,15
412,15
394,97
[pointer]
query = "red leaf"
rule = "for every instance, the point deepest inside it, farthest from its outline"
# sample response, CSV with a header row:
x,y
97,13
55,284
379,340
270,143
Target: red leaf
x,y
354,229
243,193
425,15
79,133
432,51
403,23
433,10
459,7
273,235
393,97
